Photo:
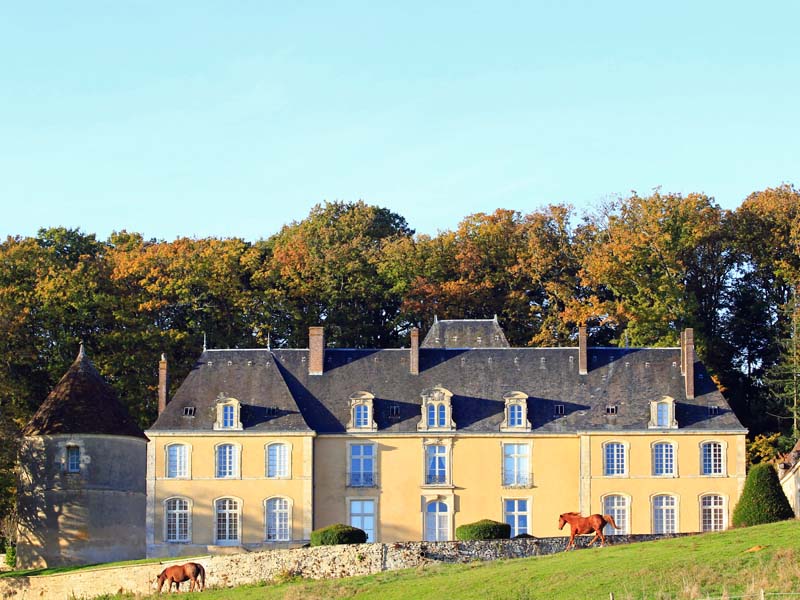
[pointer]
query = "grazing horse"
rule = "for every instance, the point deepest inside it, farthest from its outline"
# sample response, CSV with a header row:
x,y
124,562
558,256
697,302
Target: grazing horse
x,y
177,574
582,525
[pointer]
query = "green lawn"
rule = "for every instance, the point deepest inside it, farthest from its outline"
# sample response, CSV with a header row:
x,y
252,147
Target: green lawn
x,y
691,567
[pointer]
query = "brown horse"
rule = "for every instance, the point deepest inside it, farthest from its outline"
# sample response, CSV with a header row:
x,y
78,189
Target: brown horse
x,y
582,525
177,574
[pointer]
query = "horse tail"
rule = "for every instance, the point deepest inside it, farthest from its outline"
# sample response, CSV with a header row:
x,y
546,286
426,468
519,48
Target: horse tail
x,y
202,576
610,519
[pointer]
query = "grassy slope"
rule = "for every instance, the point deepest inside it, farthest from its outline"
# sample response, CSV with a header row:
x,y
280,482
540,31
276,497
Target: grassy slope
x,y
693,567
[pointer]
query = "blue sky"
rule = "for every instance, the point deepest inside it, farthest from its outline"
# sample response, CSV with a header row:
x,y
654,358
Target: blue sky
x,y
233,118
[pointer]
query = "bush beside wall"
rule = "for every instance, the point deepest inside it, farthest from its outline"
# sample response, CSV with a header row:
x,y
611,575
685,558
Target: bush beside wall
x,y
484,530
338,534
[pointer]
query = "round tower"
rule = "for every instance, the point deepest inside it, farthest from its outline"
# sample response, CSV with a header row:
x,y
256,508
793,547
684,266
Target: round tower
x,y
82,476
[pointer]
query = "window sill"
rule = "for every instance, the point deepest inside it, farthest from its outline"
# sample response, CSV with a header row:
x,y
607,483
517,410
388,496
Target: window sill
x,y
177,541
439,486
517,486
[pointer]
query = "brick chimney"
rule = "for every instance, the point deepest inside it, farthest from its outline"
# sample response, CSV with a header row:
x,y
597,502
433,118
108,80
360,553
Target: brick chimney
x,y
583,351
687,359
413,361
163,384
316,350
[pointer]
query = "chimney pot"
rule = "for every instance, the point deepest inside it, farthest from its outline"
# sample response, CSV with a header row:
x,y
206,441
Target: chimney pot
x,y
163,384
316,350
688,359
583,352
413,363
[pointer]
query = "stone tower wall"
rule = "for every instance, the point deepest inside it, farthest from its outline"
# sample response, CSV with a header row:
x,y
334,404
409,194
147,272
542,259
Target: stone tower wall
x,y
94,515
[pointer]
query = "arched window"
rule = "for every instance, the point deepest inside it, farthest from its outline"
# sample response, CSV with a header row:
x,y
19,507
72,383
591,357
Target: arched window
x,y
662,413
712,513
279,520
616,506
664,514
516,413
177,460
437,522
663,459
226,520
227,461
228,413
278,462
177,520
614,462
436,410
361,412
712,458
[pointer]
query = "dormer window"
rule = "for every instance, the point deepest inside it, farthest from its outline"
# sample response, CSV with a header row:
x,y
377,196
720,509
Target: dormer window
x,y
437,410
361,412
516,412
662,414
228,414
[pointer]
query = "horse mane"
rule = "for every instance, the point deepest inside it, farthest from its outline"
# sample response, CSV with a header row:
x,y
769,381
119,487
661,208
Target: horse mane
x,y
573,514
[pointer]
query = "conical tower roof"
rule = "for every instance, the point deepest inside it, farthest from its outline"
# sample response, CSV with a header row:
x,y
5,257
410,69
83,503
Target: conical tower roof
x,y
82,402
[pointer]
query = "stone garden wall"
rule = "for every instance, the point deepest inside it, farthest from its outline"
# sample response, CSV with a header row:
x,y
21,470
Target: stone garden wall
x,y
313,563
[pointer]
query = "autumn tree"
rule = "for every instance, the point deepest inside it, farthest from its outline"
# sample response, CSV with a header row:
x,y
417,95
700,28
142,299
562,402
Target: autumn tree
x,y
326,270
170,297
665,258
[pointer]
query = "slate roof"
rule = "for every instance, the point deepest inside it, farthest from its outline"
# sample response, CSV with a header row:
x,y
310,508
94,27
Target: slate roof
x,y
250,376
478,378
465,333
82,402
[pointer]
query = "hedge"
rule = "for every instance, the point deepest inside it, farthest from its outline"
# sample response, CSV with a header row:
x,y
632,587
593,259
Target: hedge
x,y
762,500
484,530
338,534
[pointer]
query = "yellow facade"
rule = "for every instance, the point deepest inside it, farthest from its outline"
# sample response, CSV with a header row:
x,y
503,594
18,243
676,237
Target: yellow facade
x,y
561,481
567,474
249,486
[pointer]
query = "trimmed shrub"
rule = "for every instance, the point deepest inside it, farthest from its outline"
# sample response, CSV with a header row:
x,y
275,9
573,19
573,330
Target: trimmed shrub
x,y
524,536
763,500
484,530
338,534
